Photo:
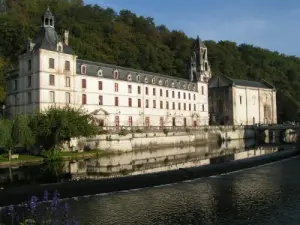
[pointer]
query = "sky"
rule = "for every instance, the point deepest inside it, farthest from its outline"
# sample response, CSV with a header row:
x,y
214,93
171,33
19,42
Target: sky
x,y
271,24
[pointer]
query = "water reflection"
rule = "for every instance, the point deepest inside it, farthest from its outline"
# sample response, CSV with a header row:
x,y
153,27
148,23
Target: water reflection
x,y
133,163
255,196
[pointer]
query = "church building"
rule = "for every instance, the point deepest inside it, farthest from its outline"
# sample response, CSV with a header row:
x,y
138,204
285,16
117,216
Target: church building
x,y
241,102
50,74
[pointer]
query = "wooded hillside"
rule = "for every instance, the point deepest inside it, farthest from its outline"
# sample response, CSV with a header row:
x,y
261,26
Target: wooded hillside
x,y
128,40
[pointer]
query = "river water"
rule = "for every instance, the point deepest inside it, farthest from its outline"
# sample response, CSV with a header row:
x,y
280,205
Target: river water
x,y
268,194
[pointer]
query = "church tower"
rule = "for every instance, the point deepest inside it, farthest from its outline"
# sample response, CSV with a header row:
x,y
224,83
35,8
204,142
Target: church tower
x,y
200,69
48,19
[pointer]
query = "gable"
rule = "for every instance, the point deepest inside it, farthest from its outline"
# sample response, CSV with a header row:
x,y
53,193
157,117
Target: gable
x,y
219,81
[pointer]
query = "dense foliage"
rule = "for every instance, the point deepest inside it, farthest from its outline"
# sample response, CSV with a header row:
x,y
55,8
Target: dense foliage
x,y
125,39
46,130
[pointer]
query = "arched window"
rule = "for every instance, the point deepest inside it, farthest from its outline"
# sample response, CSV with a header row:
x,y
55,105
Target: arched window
x,y
153,80
83,69
129,77
146,80
100,73
160,82
137,77
166,82
116,74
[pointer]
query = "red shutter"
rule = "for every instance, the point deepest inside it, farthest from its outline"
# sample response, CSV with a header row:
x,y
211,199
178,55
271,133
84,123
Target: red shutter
x,y
100,85
83,83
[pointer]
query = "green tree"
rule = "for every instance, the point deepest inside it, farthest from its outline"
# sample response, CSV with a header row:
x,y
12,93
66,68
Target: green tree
x,y
15,133
58,125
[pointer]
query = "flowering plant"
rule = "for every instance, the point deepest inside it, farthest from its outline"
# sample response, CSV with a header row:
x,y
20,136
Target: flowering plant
x,y
44,212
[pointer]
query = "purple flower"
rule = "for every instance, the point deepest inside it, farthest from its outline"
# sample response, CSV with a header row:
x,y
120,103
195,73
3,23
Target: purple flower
x,y
33,203
46,196
55,200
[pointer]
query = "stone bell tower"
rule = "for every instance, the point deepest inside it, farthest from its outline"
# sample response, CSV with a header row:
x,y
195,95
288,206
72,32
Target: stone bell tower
x,y
200,69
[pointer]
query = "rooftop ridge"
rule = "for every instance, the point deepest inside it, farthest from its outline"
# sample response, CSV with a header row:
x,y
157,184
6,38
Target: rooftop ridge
x,y
134,70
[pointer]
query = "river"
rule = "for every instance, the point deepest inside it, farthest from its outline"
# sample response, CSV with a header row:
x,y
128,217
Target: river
x,y
267,194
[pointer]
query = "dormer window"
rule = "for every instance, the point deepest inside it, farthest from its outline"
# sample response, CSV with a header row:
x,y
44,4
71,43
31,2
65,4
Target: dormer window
x,y
189,86
83,69
184,86
153,80
137,77
173,84
146,80
100,73
178,84
194,87
166,82
129,77
160,82
59,48
116,74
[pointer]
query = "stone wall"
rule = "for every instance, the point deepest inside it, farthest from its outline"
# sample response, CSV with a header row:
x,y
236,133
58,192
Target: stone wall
x,y
160,139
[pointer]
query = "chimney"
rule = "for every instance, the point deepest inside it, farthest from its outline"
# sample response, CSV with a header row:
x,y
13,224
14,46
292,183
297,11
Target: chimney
x,y
66,37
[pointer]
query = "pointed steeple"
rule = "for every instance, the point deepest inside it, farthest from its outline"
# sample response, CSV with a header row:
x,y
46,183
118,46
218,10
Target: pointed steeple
x,y
48,19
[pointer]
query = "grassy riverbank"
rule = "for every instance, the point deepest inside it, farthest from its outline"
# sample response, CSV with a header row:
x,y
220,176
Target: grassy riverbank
x,y
29,159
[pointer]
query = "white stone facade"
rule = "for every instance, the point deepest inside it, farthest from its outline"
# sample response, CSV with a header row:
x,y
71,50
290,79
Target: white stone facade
x,y
51,75
241,102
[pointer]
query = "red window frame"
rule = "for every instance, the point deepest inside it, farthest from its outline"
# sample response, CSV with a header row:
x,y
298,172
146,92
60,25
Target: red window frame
x,y
116,101
129,102
116,87
100,86
139,103
83,99
83,83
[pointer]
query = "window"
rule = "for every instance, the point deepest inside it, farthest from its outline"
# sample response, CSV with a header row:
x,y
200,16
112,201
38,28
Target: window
x,y
29,64
29,81
147,103
153,80
83,99
83,69
116,101
29,99
59,47
139,89
83,83
116,87
154,104
100,73
129,102
116,74
68,83
146,80
173,94
241,100
194,107
52,96
129,89
178,95
15,85
189,96
67,65
146,90
184,96
129,76
202,90
179,106
161,94
139,103
194,97
51,80
167,105
161,104
68,98
100,100
154,91
130,121
190,107
100,85
173,105
167,93
166,82
203,107
184,106
138,78
51,63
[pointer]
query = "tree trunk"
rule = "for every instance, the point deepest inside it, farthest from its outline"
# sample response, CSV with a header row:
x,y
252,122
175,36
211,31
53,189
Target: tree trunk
x,y
9,154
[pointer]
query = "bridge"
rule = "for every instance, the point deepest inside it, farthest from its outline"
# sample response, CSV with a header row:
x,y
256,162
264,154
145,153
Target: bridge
x,y
277,132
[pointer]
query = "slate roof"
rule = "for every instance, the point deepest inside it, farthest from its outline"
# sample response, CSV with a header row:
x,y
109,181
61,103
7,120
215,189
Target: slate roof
x,y
47,39
248,83
92,69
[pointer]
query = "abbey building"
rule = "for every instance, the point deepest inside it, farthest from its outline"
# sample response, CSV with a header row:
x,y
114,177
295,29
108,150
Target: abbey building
x,y
50,74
